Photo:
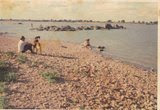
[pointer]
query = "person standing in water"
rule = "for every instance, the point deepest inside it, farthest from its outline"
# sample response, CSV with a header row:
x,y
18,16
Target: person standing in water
x,y
31,25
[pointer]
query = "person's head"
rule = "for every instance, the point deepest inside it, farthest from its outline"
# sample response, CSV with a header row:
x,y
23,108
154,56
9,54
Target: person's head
x,y
87,40
37,37
22,38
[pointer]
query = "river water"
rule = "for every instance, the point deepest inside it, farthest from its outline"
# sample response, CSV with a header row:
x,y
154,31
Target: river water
x,y
136,44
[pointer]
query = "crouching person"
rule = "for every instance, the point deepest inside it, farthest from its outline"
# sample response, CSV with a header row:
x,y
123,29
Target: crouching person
x,y
86,44
24,46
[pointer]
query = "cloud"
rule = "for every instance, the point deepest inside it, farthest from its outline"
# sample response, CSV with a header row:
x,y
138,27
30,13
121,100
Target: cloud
x,y
9,7
79,9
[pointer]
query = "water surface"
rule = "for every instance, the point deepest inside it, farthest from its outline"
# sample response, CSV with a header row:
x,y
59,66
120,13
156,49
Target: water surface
x,y
136,44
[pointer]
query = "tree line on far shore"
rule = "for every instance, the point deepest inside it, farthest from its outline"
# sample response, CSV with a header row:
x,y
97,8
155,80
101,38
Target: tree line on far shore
x,y
65,20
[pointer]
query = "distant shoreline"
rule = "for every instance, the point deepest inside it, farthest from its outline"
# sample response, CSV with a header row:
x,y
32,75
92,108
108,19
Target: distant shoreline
x,y
82,21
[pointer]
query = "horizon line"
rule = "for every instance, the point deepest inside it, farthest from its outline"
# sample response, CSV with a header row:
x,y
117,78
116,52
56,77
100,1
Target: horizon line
x,y
80,20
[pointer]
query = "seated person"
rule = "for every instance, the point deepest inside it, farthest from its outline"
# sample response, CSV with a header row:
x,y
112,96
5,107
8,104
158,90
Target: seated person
x,y
24,46
37,45
86,43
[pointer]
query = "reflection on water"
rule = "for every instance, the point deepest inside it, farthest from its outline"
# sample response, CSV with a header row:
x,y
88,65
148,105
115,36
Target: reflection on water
x,y
137,43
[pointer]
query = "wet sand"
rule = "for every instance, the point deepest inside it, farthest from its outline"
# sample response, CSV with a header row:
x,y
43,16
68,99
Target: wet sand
x,y
88,80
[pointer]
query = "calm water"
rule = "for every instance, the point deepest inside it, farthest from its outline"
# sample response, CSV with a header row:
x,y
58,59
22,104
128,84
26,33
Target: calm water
x,y
136,44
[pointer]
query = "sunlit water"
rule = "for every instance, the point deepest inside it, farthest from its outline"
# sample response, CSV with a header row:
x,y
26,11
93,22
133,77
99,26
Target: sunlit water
x,y
136,44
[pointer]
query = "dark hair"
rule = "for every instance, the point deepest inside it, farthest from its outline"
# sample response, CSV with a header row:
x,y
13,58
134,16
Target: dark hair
x,y
22,38
37,37
87,39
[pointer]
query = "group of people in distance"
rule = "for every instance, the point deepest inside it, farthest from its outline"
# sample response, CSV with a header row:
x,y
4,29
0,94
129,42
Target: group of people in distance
x,y
24,46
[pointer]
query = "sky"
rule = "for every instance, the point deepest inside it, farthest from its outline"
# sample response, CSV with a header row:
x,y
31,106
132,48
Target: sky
x,y
99,10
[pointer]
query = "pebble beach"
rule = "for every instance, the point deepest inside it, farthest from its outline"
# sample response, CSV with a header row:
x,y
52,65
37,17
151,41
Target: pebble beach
x,y
87,80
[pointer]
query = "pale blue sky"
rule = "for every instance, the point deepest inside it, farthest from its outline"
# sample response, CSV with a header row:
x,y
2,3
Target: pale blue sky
x,y
80,9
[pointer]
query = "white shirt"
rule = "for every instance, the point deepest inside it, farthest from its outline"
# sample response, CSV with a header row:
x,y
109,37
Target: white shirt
x,y
21,45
